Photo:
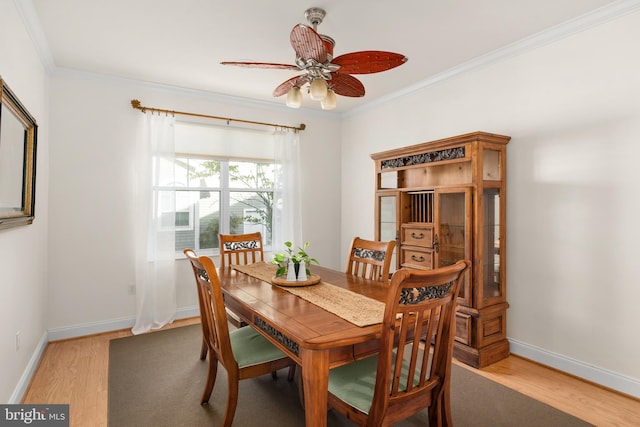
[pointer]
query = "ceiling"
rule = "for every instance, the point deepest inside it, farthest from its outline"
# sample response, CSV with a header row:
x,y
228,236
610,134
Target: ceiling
x,y
181,43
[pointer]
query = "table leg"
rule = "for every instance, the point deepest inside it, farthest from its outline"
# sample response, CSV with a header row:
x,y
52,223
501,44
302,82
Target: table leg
x,y
315,380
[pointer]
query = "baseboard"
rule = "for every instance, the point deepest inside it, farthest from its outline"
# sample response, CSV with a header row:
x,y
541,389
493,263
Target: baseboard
x,y
75,331
25,379
600,376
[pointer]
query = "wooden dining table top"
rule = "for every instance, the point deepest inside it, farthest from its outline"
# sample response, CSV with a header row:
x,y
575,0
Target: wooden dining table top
x,y
310,325
315,338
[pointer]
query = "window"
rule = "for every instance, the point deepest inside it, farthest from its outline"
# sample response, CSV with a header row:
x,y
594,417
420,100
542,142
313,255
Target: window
x,y
217,190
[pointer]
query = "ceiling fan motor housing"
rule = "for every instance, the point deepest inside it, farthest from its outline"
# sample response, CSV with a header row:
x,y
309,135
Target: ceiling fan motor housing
x,y
315,15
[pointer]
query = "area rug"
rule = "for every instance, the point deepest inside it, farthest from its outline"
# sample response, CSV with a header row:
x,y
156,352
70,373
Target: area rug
x,y
157,379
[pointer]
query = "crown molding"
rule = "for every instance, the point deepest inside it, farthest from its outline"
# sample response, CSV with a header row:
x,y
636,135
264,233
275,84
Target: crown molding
x,y
583,22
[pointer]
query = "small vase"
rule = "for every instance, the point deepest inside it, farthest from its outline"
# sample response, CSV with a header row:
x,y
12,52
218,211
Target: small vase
x,y
302,273
291,272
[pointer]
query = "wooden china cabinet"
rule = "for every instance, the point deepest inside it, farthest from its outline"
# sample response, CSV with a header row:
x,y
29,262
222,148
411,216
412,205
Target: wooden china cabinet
x,y
443,201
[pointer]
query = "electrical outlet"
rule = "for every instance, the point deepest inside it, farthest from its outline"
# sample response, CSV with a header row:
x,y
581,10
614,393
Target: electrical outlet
x,y
17,340
132,289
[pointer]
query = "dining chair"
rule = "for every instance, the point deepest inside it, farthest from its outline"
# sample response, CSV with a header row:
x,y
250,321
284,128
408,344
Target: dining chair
x,y
191,254
239,249
406,377
370,259
244,353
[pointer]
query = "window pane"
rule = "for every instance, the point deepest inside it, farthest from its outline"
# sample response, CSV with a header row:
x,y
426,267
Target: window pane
x,y
204,173
250,212
181,172
197,173
204,207
165,209
208,220
251,175
266,175
182,219
183,210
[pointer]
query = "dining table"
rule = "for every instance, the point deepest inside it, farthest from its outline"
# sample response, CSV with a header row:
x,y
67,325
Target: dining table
x,y
320,326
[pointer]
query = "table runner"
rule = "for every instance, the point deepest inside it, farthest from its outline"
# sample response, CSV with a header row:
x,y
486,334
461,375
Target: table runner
x,y
353,307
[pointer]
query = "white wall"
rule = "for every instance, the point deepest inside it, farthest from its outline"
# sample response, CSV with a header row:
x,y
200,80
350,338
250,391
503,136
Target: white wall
x,y
572,109
23,255
93,135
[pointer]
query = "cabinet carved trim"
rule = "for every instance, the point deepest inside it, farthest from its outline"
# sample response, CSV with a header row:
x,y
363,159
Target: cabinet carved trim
x,y
419,159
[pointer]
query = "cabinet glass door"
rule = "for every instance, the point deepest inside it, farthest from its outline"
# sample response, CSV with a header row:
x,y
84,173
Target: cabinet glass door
x,y
453,232
388,223
492,286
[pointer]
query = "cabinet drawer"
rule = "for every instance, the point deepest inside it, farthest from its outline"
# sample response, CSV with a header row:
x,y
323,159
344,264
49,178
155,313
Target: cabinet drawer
x,y
420,258
417,235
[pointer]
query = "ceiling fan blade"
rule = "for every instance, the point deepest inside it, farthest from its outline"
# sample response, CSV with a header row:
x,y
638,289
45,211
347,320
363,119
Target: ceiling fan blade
x,y
346,85
288,84
368,61
262,65
308,44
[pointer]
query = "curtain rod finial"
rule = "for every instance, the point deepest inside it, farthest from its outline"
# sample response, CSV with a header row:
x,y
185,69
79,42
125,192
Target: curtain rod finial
x,y
303,126
137,105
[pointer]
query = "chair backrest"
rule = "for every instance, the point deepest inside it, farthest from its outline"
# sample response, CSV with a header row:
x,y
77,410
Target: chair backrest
x,y
191,254
420,303
212,310
370,259
240,249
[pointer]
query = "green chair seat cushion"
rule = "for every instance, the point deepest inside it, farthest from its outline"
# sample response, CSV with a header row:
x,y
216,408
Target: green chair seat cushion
x,y
251,348
355,382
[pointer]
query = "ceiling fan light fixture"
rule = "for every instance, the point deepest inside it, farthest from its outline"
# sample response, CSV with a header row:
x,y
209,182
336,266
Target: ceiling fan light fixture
x,y
318,90
294,97
329,102
325,75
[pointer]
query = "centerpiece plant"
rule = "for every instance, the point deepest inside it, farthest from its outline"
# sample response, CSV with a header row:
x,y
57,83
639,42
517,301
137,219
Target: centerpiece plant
x,y
281,259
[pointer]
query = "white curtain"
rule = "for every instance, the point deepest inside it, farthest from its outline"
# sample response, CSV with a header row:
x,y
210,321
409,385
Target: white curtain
x,y
154,223
287,224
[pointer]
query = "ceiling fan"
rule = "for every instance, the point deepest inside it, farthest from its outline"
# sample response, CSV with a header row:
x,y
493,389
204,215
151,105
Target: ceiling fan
x,y
326,75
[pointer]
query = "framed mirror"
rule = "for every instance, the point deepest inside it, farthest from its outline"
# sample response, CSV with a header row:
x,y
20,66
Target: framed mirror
x,y
18,134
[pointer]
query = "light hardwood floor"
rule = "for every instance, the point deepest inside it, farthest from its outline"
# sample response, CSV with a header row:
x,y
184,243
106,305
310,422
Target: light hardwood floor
x,y
75,371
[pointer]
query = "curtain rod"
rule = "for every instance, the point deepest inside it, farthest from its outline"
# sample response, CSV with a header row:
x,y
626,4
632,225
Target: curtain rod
x,y
136,104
